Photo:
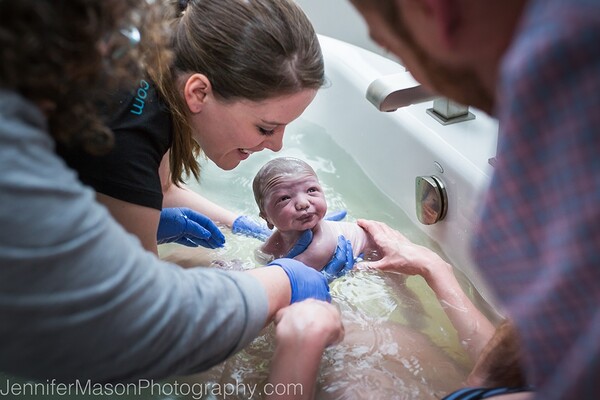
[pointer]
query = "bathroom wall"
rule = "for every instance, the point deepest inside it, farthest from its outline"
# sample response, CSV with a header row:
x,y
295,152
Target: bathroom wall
x,y
339,19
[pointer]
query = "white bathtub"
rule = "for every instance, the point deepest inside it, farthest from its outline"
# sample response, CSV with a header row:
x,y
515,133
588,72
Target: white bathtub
x,y
394,148
344,137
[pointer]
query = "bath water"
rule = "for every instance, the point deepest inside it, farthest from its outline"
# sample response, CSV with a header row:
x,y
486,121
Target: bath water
x,y
395,328
377,305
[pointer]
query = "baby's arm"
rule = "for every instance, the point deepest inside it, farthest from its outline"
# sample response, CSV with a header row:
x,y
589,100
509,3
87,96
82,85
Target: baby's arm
x,y
401,255
316,259
351,231
321,248
277,247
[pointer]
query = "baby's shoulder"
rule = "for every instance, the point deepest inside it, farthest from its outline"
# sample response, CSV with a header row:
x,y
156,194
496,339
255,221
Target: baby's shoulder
x,y
273,245
341,228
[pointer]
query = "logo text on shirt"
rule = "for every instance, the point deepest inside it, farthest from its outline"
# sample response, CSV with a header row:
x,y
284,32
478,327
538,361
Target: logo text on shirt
x,y
137,107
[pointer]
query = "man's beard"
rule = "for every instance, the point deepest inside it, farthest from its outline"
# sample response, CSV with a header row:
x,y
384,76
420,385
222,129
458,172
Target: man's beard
x,y
459,84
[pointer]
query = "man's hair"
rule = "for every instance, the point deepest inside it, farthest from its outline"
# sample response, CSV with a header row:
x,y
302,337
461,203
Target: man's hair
x,y
500,361
58,54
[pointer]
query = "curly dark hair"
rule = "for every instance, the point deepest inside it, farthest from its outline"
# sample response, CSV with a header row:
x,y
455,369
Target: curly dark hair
x,y
62,55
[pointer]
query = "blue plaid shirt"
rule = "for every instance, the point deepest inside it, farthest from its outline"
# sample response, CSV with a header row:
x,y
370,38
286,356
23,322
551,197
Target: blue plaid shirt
x,y
538,242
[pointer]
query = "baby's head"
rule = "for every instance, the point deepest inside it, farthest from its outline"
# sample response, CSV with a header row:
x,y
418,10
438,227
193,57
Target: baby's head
x,y
289,195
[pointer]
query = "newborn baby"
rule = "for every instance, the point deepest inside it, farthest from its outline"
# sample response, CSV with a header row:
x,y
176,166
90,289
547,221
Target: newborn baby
x,y
290,198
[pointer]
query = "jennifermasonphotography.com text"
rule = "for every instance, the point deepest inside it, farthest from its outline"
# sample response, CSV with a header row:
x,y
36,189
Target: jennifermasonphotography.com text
x,y
144,388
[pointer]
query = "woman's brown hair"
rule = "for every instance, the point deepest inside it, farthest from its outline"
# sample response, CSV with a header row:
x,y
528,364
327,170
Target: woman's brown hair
x,y
248,49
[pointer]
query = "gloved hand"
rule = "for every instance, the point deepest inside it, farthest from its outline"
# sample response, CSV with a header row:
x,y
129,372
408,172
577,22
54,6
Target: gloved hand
x,y
341,262
305,282
246,226
189,228
336,215
306,238
301,245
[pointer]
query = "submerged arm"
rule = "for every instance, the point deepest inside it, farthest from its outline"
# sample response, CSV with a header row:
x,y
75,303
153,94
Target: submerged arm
x,y
474,329
401,255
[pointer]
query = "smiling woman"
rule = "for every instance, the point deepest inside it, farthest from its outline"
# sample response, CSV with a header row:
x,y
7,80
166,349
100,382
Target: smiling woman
x,y
241,72
229,132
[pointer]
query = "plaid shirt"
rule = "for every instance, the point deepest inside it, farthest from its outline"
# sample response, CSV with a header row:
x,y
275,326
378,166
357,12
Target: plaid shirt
x,y
538,242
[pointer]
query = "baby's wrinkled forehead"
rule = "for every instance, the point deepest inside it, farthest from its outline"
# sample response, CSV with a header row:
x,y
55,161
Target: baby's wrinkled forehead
x,y
287,181
279,170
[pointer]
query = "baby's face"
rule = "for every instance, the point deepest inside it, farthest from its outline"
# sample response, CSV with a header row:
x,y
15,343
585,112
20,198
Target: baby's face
x,y
295,202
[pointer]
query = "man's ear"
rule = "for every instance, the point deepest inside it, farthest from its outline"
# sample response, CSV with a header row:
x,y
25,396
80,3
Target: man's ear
x,y
197,88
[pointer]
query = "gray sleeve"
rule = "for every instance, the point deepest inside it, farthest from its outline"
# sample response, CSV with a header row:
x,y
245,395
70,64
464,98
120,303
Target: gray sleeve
x,y
80,298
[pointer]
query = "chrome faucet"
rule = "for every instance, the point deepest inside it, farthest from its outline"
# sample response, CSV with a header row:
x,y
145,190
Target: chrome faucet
x,y
384,94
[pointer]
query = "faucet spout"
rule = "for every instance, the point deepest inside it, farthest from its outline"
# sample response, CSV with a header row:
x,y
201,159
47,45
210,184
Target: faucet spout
x,y
391,92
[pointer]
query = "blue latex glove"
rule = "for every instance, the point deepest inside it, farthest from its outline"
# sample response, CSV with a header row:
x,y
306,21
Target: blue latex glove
x,y
341,262
306,282
246,226
189,228
336,215
301,245
306,238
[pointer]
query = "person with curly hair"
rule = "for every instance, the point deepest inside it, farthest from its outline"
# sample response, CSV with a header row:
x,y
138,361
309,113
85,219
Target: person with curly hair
x,y
79,297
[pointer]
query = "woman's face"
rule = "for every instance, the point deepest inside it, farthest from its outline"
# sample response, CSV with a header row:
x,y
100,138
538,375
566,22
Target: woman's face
x,y
294,202
228,132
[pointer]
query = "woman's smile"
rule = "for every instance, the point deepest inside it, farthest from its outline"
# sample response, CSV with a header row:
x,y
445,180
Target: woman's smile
x,y
229,132
245,153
